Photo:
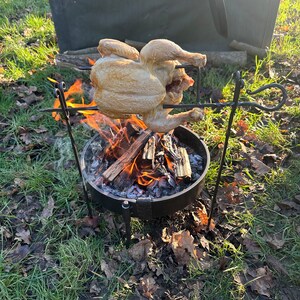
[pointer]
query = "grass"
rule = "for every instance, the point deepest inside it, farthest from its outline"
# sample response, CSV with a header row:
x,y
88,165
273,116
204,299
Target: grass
x,y
64,260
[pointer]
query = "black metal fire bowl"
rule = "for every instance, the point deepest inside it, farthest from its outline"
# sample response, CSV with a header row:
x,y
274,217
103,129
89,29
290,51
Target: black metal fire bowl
x,y
149,208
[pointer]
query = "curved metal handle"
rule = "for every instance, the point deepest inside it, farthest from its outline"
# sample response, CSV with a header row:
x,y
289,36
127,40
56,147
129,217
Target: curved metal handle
x,y
265,87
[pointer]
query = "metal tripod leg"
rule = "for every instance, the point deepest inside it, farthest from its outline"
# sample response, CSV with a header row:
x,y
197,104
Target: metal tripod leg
x,y
127,219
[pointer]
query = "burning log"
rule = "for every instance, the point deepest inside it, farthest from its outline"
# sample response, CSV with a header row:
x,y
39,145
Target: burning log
x,y
122,140
116,168
183,166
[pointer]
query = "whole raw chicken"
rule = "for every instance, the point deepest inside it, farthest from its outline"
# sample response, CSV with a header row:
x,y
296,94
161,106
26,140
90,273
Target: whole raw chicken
x,y
128,82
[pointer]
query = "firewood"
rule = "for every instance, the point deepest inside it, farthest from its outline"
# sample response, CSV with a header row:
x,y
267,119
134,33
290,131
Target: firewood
x,y
149,150
183,166
170,146
123,180
75,61
115,169
124,139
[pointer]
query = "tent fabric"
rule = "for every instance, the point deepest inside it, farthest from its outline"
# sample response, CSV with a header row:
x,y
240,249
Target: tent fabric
x,y
82,23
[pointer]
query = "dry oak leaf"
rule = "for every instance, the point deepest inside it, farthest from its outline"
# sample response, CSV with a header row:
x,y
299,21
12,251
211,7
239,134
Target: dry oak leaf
x,y
148,286
48,210
242,128
201,219
19,253
262,281
106,269
141,250
182,244
23,235
89,221
251,246
274,240
259,166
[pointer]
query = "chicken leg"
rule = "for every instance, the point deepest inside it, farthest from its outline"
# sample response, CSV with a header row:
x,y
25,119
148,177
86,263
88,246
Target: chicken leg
x,y
108,47
161,50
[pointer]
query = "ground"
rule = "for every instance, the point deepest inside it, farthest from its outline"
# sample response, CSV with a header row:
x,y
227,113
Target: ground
x,y
51,250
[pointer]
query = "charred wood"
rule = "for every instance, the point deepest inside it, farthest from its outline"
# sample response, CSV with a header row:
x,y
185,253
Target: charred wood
x,y
128,156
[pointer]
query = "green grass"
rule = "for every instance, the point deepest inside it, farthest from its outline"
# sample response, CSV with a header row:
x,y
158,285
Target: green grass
x,y
70,260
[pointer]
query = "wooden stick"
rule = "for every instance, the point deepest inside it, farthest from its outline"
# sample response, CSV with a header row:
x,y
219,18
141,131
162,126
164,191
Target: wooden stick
x,y
115,169
251,50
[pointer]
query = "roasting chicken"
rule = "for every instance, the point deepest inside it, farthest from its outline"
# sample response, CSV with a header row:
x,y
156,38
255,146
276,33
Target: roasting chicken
x,y
128,82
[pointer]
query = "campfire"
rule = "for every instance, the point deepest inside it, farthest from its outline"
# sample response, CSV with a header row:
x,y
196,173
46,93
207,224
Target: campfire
x,y
127,160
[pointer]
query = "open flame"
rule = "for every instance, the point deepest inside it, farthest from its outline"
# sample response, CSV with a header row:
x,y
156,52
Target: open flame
x,y
116,134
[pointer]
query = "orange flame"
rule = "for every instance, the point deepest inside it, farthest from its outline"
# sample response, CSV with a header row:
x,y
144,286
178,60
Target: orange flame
x,y
114,135
91,61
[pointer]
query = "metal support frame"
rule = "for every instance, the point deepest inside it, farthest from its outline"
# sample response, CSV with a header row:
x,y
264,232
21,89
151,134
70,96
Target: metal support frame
x,y
59,93
239,84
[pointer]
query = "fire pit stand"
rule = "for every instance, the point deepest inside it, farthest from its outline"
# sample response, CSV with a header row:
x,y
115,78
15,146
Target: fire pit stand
x,y
239,84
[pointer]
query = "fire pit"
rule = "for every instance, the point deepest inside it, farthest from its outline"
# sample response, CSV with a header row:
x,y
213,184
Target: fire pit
x,y
151,207
148,207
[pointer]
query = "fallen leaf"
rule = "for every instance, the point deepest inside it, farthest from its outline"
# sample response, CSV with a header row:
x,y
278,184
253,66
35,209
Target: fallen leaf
x,y
204,242
19,182
275,240
23,235
182,244
32,98
89,221
297,199
240,179
259,166
242,128
95,287
251,246
201,219
165,236
48,210
230,192
261,281
274,263
4,231
148,286
41,129
19,253
141,250
155,268
35,118
106,269
26,138
109,219
288,207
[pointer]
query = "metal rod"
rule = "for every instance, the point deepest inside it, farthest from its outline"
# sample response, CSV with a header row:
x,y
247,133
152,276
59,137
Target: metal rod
x,y
239,83
59,93
127,218
70,109
203,105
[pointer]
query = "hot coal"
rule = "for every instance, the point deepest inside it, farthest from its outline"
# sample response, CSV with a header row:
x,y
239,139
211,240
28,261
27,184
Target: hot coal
x,y
165,184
